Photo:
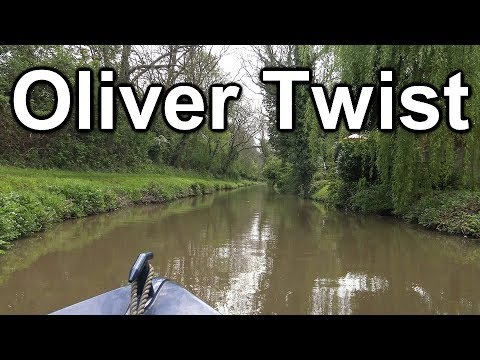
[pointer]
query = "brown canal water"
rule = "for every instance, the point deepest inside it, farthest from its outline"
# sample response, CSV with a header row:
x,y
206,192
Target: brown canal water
x,y
250,251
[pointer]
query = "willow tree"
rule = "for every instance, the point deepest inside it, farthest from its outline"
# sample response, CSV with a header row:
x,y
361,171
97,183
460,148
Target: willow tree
x,y
413,164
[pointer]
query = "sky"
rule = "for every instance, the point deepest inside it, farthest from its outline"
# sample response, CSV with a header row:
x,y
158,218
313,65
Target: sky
x,y
232,64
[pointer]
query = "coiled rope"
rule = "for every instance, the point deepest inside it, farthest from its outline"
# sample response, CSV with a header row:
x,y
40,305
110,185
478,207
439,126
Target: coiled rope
x,y
137,306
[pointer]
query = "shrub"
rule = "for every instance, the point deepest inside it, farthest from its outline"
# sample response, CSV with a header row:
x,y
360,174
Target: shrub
x,y
280,174
340,193
372,199
272,170
85,199
23,213
453,211
323,194
356,159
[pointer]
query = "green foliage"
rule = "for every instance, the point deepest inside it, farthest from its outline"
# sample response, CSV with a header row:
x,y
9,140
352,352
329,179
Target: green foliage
x,y
391,171
31,200
66,148
388,172
272,170
24,212
286,181
292,148
280,174
451,211
356,159
323,194
340,194
372,199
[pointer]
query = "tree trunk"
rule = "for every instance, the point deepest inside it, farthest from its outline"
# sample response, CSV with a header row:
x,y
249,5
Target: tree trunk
x,y
125,64
179,150
230,158
212,156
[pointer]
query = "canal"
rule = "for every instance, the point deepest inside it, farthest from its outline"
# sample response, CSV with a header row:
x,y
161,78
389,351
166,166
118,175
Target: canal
x,y
250,251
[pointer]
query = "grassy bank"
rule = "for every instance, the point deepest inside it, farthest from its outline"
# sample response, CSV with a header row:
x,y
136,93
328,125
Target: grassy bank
x,y
454,211
31,200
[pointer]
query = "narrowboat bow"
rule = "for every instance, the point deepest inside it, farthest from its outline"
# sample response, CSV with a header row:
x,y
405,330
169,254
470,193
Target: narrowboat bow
x,y
146,295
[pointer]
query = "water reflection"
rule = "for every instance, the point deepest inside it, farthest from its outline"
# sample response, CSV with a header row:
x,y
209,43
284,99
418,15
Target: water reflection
x,y
250,252
335,296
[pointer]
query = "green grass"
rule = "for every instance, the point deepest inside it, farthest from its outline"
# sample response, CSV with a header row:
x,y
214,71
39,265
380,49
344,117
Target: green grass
x,y
31,200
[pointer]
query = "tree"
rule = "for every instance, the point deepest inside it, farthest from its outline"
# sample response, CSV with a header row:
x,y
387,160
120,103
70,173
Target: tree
x,y
139,65
292,147
411,164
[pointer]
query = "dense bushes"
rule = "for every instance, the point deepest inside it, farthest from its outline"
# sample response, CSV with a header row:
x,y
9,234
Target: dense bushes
x,y
355,185
321,190
379,171
31,200
279,174
452,211
356,159
231,153
372,199
366,199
